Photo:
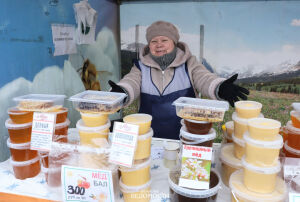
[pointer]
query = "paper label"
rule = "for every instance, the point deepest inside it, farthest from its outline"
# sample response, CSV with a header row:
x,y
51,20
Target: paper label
x,y
290,170
294,197
123,144
195,167
157,152
63,36
84,184
42,131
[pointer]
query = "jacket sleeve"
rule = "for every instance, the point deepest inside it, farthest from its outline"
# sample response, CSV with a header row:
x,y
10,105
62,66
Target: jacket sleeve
x,y
203,80
131,83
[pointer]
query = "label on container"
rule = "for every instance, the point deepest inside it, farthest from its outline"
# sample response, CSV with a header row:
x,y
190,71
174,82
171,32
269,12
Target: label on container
x,y
291,168
294,197
123,144
195,167
84,184
42,131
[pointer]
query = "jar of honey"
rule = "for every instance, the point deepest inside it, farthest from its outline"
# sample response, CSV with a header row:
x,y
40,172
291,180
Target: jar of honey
x,y
26,169
295,117
61,132
61,114
19,117
293,136
18,133
21,152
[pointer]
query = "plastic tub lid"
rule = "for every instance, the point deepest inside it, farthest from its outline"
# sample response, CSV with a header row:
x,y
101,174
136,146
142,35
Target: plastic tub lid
x,y
264,123
296,106
39,98
238,141
263,170
24,163
61,110
17,113
146,135
194,193
136,166
276,144
63,124
241,120
200,138
290,149
227,156
18,146
131,189
290,127
12,126
195,121
238,188
229,124
146,116
80,125
202,103
247,104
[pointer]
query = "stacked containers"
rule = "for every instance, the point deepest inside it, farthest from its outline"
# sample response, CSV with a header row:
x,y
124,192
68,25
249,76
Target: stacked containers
x,y
228,129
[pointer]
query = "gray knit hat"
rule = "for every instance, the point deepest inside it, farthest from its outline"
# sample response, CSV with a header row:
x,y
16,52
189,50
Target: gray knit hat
x,y
162,28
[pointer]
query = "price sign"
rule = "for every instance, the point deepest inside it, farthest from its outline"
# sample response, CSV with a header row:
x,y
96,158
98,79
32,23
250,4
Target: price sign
x,y
123,144
84,184
294,197
42,131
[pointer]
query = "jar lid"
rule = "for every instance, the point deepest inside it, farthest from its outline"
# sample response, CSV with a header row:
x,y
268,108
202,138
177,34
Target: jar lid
x,y
63,124
146,135
276,144
290,149
80,125
227,156
24,163
238,141
264,123
16,111
199,138
291,128
18,146
132,189
13,126
263,170
140,118
242,120
296,106
247,104
138,164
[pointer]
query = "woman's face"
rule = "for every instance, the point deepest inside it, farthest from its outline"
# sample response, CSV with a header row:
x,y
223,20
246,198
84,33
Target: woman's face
x,y
161,45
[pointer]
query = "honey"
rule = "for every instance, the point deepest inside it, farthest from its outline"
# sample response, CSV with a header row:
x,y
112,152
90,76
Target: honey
x,y
61,132
94,119
263,129
295,118
290,152
197,140
247,109
142,120
197,127
61,114
21,152
239,147
143,149
18,133
293,136
19,117
26,169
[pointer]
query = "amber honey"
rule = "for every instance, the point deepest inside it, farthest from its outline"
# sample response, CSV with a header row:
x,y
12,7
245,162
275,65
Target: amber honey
x,y
18,133
62,128
290,152
19,117
26,169
293,136
21,152
61,114
295,117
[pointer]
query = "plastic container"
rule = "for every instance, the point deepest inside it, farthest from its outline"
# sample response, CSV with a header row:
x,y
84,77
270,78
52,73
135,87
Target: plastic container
x,y
61,132
61,114
171,150
26,169
98,101
94,119
262,153
296,106
21,152
53,177
263,129
197,140
197,127
239,147
89,136
142,120
239,192
182,194
40,102
136,193
290,152
229,125
201,109
260,180
247,109
138,174
295,183
293,136
18,133
229,162
20,117
143,150
240,125
44,156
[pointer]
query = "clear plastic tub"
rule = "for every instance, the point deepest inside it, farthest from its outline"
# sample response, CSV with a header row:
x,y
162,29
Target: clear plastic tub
x,y
19,133
21,152
94,119
89,136
182,194
143,149
197,140
19,117
229,125
61,114
138,174
247,109
142,120
40,102
295,183
136,193
240,125
229,162
263,129
290,152
197,127
201,109
98,101
61,132
239,147
26,169
293,136
239,192
262,153
296,106
260,179
44,156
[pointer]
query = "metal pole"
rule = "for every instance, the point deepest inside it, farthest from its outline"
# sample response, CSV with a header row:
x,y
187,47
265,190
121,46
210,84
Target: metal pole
x,y
201,42
137,40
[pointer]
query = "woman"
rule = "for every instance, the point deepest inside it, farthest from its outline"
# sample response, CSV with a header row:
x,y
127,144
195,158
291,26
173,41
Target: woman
x,y
166,71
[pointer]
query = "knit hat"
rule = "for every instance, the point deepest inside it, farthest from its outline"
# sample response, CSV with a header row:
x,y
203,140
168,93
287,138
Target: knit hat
x,y
162,28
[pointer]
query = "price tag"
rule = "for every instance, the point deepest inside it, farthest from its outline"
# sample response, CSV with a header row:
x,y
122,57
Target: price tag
x,y
84,184
123,144
291,168
42,131
294,197
195,167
